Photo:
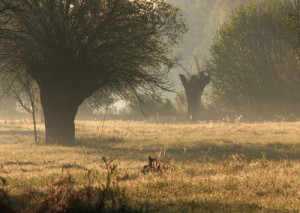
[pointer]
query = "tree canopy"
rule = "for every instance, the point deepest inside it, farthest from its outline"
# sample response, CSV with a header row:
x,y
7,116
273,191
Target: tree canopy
x,y
254,67
73,48
293,20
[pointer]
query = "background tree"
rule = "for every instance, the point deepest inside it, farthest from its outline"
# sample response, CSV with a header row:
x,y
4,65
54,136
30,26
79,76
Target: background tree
x,y
26,92
194,86
293,20
23,84
254,67
74,48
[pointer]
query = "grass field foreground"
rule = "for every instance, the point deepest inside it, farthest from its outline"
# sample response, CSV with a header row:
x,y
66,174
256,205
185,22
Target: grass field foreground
x,y
209,167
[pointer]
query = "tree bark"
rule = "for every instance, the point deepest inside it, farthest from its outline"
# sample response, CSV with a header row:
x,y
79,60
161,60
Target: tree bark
x,y
194,88
59,112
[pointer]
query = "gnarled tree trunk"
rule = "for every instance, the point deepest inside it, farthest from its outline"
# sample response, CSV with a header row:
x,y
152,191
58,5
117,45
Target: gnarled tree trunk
x,y
60,108
194,88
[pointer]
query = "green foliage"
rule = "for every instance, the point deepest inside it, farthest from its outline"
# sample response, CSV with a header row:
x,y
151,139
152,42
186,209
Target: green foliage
x,y
254,67
293,20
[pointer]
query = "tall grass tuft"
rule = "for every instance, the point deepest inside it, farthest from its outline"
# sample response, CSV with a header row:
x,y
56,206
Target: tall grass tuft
x,y
65,196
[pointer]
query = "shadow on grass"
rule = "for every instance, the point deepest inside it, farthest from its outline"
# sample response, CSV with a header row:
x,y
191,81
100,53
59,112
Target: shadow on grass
x,y
19,132
217,206
174,206
34,203
202,150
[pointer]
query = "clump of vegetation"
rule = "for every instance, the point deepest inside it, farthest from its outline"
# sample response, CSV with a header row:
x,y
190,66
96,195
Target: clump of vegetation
x,y
66,195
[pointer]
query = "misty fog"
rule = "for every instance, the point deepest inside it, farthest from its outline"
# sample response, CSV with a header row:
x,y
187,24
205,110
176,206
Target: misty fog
x,y
149,106
203,19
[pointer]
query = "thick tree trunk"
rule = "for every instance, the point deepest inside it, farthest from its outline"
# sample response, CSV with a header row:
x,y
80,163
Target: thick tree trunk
x,y
193,109
59,113
194,88
194,103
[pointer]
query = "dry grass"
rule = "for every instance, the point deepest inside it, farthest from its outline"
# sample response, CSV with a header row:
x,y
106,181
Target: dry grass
x,y
211,167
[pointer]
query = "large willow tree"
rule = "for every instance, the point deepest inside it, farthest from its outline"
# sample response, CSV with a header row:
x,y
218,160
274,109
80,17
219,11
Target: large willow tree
x,y
73,48
254,65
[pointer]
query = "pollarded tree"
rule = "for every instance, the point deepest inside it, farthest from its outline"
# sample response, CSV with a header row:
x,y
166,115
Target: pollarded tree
x,y
194,86
73,48
254,67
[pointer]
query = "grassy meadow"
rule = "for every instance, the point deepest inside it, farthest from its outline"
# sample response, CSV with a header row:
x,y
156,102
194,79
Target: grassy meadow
x,y
209,167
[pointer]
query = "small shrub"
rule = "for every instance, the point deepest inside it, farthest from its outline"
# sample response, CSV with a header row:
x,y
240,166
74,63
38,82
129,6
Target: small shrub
x,y
64,196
